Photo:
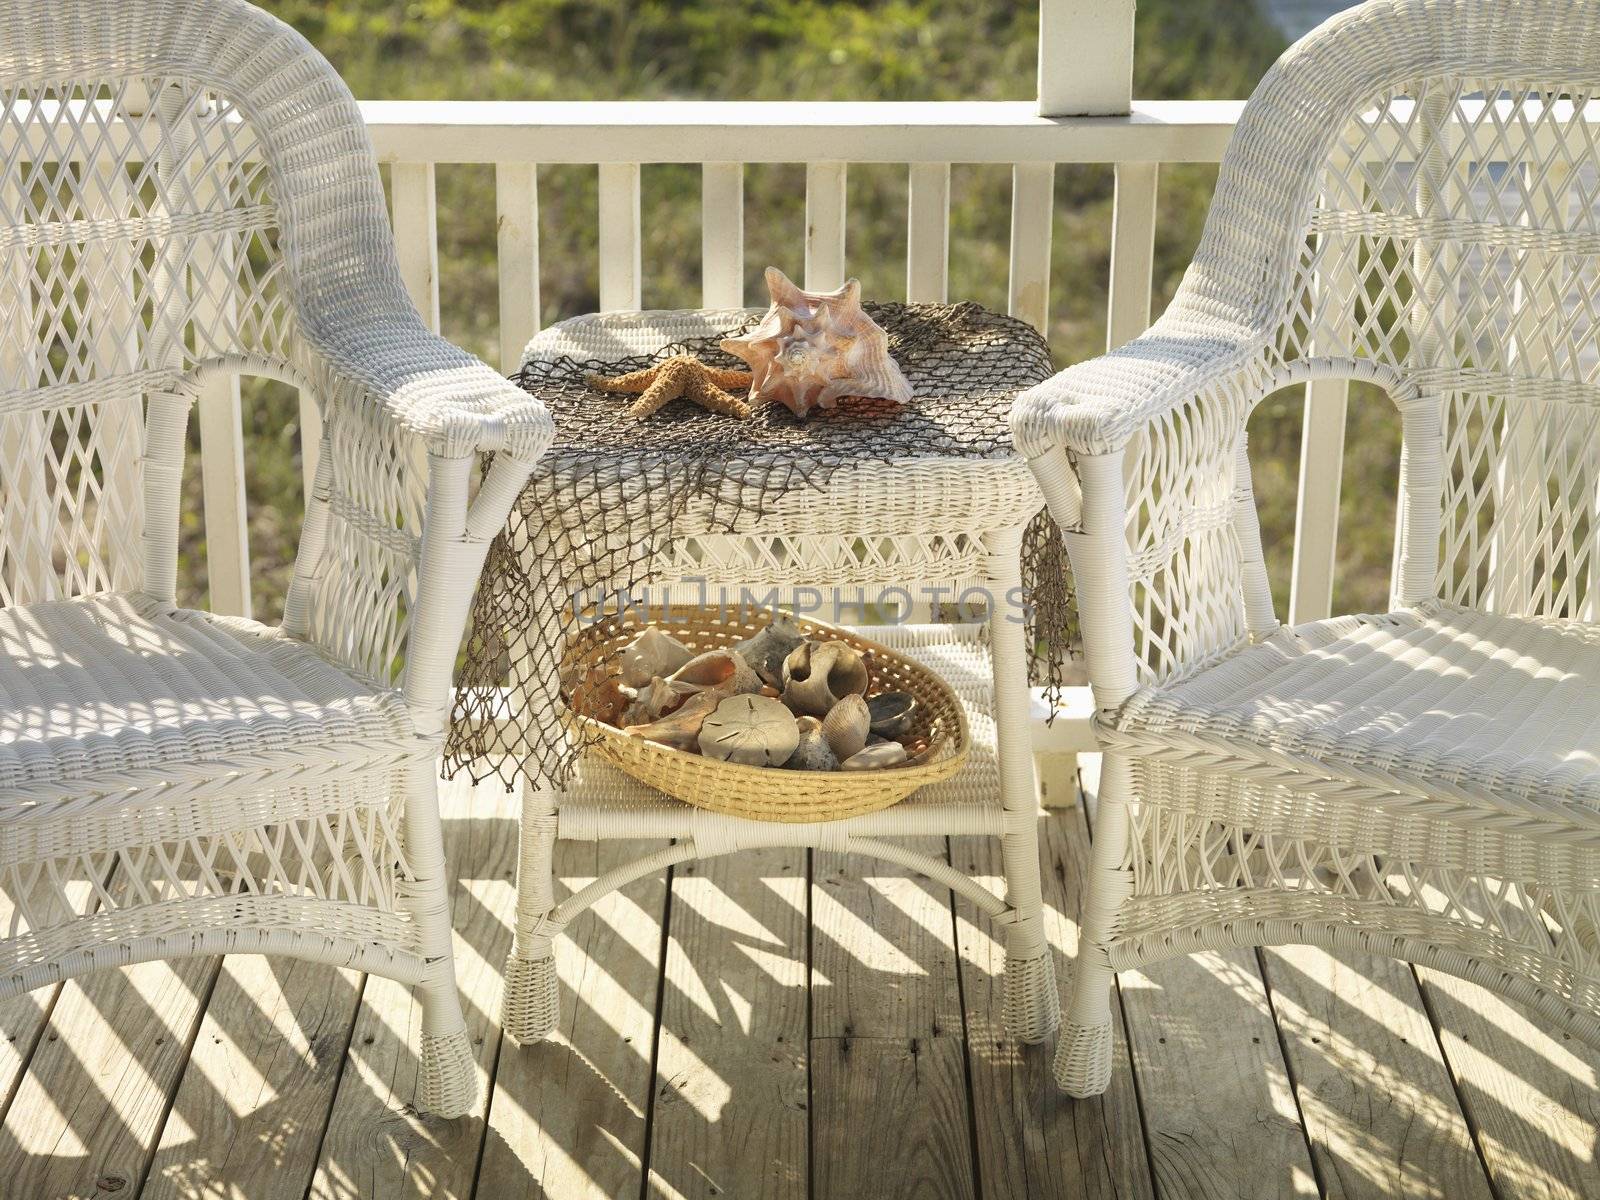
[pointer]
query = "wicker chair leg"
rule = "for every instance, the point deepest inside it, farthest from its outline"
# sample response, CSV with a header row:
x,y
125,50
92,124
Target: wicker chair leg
x,y
531,1007
1083,1059
448,1083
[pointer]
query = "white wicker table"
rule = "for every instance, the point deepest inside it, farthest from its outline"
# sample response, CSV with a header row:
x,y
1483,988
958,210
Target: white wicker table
x,y
916,523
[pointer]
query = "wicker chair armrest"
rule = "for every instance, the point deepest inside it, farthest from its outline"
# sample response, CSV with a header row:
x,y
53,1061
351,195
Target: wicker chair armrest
x,y
432,391
1097,406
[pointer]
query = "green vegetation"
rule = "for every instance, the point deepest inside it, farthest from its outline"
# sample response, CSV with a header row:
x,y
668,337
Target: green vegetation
x,y
788,49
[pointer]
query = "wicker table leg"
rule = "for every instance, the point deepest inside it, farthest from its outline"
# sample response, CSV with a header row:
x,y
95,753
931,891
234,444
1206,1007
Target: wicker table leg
x,y
531,1004
1033,1007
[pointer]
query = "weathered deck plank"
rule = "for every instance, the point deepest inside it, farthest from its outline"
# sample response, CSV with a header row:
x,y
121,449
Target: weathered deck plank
x,y
890,1102
257,1075
732,1077
1371,1082
255,1096
1532,1094
90,1108
22,1022
377,1144
1221,1120
567,1119
1032,1140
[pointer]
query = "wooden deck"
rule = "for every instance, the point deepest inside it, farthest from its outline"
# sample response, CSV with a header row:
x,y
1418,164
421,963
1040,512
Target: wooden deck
x,y
789,1026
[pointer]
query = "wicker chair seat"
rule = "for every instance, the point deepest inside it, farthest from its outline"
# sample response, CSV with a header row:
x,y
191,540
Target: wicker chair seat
x,y
1435,700
121,687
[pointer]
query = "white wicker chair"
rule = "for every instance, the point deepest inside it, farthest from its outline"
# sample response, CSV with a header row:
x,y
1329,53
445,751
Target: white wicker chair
x,y
1423,783
186,189
933,522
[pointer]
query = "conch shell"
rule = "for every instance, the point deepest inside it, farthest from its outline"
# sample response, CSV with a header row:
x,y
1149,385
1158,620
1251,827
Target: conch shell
x,y
650,702
725,670
812,349
680,730
650,654
766,651
754,730
817,675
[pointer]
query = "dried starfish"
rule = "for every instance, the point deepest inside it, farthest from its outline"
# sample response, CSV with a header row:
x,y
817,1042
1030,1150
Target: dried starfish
x,y
680,375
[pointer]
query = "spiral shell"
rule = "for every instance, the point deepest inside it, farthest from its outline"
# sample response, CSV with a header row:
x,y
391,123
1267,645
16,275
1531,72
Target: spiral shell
x,y
724,669
650,654
766,651
817,675
813,349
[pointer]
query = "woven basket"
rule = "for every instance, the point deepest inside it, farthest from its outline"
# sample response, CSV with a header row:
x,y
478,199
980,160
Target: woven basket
x,y
771,793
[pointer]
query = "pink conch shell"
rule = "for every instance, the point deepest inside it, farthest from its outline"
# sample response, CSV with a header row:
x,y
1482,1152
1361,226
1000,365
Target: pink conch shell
x,y
812,349
680,730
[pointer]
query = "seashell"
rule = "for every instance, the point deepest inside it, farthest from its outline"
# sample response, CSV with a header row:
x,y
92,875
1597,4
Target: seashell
x,y
753,730
650,654
599,695
650,702
680,730
817,675
811,349
845,727
766,651
892,713
873,758
812,753
723,669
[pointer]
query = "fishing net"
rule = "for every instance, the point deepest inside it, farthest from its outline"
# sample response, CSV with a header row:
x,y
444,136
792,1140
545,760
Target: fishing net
x,y
613,492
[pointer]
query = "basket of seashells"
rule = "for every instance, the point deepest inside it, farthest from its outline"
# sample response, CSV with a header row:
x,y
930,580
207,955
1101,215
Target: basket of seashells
x,y
776,718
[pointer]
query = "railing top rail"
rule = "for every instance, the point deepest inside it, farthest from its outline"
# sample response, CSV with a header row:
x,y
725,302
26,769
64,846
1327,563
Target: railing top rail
x,y
655,131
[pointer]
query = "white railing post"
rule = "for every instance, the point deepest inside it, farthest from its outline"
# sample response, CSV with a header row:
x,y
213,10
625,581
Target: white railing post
x,y
416,235
1085,57
1133,237
722,235
1316,521
928,233
621,273
1033,188
825,192
516,200
222,447
310,443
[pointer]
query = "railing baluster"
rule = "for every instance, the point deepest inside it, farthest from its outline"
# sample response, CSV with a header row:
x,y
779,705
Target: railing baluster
x,y
516,198
416,233
1032,200
310,443
222,485
1316,528
722,235
221,422
1133,235
928,233
825,191
620,271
